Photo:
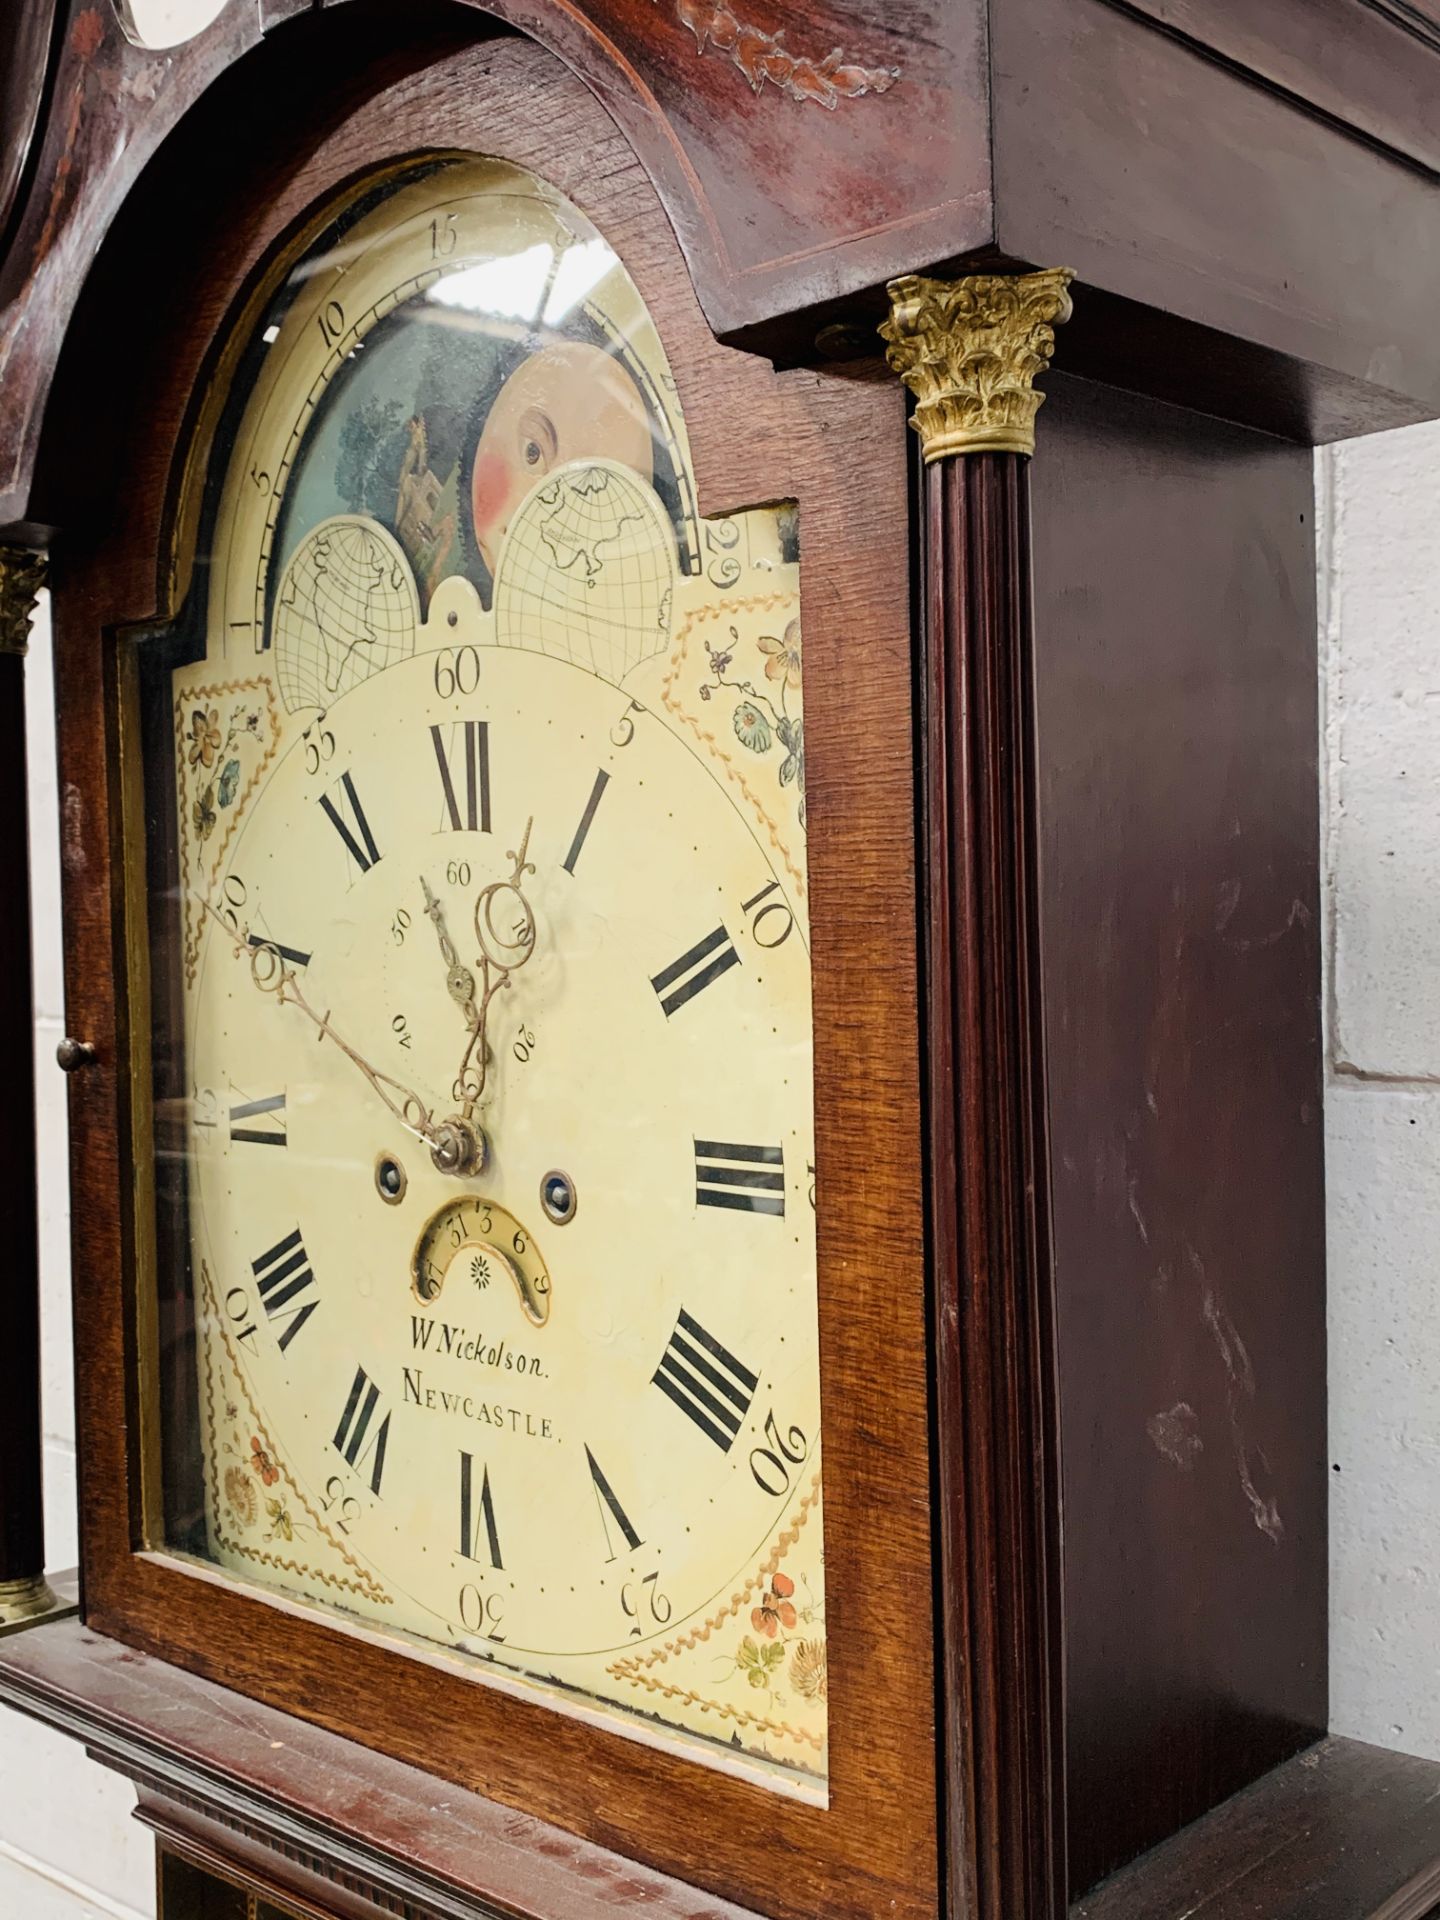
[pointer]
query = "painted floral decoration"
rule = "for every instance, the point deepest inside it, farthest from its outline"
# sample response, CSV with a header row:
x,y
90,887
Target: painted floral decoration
x,y
241,1497
760,1664
207,745
261,1463
807,1669
761,720
282,1527
783,662
777,1609
752,728
204,736
202,814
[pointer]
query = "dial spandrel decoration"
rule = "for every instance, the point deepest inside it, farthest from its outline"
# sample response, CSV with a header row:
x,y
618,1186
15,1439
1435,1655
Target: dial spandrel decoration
x,y
483,1059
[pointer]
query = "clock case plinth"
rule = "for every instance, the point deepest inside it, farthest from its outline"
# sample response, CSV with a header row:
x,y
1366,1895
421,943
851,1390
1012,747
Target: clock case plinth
x,y
1135,907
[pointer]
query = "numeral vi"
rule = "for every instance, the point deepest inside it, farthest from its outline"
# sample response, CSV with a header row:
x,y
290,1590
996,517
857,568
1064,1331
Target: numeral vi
x,y
477,1516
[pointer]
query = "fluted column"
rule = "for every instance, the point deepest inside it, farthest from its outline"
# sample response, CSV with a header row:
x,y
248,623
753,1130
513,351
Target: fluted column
x,y
969,351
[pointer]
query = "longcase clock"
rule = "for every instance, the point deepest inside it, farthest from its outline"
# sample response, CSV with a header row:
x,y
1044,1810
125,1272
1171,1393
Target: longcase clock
x,y
695,1169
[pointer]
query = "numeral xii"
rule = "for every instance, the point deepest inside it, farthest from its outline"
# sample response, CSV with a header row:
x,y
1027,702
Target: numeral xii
x,y
468,771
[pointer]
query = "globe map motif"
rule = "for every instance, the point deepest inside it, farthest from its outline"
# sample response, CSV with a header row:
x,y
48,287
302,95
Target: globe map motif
x,y
587,572
347,608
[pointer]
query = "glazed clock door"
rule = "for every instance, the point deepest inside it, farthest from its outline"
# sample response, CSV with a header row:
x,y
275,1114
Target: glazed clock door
x,y
483,1070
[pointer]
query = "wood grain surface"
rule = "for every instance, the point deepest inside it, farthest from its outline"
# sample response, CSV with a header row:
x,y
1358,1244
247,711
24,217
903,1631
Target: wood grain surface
x,y
1343,1832
1175,647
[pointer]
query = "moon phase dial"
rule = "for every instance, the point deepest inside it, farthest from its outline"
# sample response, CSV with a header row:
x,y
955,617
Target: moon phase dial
x,y
470,1242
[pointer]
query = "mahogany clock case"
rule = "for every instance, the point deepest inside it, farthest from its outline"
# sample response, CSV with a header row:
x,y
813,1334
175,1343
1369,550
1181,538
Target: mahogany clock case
x,y
144,366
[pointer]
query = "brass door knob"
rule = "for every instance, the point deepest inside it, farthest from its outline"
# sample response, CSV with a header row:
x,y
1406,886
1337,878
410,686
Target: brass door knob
x,y
71,1054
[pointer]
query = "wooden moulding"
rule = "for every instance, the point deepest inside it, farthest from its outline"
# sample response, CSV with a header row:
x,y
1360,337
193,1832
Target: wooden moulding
x,y
1343,1832
305,1813
1369,62
771,141
1203,211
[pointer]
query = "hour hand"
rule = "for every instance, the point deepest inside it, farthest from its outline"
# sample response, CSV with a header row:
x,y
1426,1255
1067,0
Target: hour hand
x,y
459,980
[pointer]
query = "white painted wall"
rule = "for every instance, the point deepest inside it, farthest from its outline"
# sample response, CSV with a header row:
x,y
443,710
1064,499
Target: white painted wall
x,y
67,1846
1380,639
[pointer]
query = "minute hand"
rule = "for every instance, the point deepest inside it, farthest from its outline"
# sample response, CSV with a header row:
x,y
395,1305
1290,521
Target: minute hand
x,y
270,974
495,968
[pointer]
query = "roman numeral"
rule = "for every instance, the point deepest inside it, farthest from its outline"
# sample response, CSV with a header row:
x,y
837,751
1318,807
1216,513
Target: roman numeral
x,y
470,1518
475,746
695,970
292,955
282,1276
706,1381
602,780
750,1179
272,1136
605,1498
362,850
353,1439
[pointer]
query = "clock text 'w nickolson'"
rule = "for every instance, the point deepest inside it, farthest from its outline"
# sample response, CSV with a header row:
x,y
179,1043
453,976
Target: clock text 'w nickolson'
x,y
447,1341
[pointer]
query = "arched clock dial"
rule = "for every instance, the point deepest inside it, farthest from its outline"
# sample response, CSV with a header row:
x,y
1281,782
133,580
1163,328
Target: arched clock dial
x,y
488,779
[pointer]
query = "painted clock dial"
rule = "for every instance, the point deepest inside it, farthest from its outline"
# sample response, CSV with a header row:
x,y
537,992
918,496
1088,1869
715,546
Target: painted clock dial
x,y
488,1058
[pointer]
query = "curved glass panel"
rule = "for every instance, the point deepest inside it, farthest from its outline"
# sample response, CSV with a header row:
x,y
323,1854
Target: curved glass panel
x,y
482,1072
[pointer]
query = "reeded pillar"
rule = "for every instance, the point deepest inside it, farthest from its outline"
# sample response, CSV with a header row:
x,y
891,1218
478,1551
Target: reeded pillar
x,y
24,1595
969,351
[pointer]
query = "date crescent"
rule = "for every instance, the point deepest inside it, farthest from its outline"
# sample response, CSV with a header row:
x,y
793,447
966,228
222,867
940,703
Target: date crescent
x,y
483,1243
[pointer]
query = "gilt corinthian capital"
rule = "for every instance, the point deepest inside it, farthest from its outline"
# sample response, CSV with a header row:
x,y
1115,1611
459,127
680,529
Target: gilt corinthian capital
x,y
22,575
969,351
